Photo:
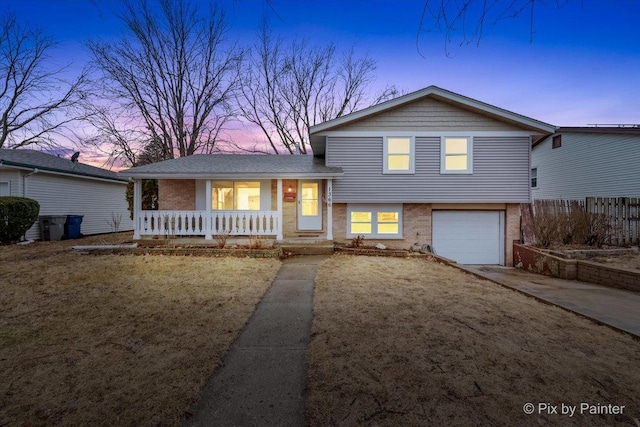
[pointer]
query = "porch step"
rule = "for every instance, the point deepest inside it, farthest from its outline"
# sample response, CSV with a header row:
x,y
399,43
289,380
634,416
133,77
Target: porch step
x,y
307,248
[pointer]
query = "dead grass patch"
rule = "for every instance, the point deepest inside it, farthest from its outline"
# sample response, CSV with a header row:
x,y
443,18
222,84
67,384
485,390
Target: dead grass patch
x,y
414,342
629,261
115,340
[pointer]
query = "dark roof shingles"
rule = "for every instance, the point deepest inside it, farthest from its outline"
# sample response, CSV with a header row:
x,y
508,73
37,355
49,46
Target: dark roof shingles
x,y
44,161
236,164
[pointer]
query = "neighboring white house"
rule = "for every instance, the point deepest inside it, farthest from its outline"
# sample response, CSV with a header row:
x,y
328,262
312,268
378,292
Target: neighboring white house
x,y
579,162
65,187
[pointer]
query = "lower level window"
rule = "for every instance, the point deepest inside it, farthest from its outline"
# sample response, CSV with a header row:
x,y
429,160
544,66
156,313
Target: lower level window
x,y
380,221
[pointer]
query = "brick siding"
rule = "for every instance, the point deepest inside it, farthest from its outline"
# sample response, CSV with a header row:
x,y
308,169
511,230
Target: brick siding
x,y
418,227
176,194
512,232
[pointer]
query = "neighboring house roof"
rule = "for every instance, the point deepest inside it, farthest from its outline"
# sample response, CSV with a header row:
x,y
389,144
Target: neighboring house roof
x,y
611,130
627,130
440,95
31,159
226,166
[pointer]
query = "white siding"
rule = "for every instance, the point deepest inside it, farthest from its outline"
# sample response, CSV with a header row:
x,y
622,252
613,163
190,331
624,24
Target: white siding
x,y
13,178
500,172
588,165
94,199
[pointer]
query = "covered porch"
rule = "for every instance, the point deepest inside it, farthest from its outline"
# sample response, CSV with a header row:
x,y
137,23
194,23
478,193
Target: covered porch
x,y
169,223
275,197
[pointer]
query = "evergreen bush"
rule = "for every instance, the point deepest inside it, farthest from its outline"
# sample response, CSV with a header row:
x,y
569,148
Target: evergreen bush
x,y
17,215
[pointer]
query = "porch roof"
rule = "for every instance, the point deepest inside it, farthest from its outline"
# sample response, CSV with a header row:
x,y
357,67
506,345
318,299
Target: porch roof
x,y
236,166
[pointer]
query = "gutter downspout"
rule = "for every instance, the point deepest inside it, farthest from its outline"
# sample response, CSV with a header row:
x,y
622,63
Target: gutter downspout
x,y
24,181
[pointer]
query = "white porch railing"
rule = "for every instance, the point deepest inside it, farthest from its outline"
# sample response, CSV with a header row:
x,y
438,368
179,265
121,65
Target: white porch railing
x,y
202,223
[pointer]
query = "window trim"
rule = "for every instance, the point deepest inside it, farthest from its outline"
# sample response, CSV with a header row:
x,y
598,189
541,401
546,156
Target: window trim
x,y
443,156
375,209
8,186
412,155
556,141
534,176
234,193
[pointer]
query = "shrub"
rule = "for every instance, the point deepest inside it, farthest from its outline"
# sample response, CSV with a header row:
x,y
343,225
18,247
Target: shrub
x,y
257,242
545,224
221,239
357,241
549,222
17,215
600,230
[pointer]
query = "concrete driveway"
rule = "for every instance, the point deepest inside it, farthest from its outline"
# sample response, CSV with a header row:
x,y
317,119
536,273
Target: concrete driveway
x,y
614,307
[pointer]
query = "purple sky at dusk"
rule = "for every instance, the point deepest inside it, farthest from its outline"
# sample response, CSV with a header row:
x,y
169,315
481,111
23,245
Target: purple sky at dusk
x,y
581,68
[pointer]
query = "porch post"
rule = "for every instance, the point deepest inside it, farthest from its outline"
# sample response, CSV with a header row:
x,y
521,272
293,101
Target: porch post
x,y
279,212
137,207
208,224
329,198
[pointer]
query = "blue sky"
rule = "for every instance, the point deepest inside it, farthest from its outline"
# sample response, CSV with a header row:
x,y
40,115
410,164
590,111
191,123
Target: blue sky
x,y
581,68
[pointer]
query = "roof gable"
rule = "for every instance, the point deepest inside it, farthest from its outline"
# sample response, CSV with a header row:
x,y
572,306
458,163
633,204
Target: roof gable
x,y
456,101
427,114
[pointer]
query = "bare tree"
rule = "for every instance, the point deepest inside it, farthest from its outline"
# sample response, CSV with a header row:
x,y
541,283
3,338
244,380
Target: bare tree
x,y
170,79
288,88
36,102
467,19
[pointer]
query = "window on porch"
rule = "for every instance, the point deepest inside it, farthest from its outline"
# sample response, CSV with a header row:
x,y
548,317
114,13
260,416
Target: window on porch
x,y
235,195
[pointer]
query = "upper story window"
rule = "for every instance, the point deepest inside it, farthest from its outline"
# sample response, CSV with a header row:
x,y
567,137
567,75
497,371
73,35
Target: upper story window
x,y
456,155
556,141
399,155
235,195
534,178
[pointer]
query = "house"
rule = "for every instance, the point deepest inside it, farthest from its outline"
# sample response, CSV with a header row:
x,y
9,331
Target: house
x,y
579,162
64,187
430,167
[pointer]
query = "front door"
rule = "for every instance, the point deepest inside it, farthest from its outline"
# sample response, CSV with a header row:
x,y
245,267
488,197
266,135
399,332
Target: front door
x,y
309,205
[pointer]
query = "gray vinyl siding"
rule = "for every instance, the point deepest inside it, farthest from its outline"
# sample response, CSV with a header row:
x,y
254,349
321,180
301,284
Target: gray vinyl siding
x,y
588,165
95,199
427,115
500,172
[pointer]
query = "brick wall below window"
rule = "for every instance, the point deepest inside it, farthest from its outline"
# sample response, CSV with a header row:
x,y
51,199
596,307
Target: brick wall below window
x,y
176,194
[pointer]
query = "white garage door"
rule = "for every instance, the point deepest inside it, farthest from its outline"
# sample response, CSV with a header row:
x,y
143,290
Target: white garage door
x,y
469,237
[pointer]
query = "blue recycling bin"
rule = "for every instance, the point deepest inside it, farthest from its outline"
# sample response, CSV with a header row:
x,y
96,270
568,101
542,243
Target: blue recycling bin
x,y
72,226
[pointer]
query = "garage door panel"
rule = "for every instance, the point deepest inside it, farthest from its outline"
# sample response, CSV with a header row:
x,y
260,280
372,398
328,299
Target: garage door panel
x,y
468,237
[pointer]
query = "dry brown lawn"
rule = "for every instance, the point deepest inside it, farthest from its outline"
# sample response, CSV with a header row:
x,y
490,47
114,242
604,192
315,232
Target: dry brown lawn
x,y
413,342
115,340
629,261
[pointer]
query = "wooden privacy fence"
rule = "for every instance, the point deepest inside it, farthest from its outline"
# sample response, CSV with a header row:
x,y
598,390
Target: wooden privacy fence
x,y
623,214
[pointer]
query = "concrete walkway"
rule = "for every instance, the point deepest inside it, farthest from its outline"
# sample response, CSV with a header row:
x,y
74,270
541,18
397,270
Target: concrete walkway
x,y
611,306
262,380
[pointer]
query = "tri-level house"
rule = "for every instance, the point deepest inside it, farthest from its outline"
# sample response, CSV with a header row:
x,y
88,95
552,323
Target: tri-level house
x,y
430,167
